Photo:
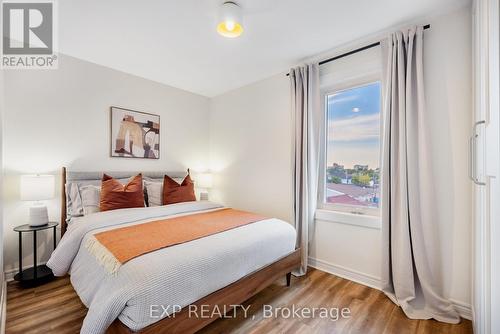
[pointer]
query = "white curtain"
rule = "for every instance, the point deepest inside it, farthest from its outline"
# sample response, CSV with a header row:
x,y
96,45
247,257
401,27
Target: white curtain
x,y
412,270
307,125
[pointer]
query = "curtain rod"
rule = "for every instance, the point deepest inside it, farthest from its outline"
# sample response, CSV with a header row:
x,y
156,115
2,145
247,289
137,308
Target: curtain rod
x,y
366,47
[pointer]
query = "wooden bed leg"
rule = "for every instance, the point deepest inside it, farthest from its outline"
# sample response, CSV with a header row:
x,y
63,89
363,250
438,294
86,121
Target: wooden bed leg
x,y
288,278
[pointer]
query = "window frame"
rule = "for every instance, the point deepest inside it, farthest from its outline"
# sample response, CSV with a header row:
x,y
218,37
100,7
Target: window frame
x,y
345,209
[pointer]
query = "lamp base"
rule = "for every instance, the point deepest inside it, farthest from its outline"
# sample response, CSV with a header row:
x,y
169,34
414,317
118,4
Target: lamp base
x,y
38,215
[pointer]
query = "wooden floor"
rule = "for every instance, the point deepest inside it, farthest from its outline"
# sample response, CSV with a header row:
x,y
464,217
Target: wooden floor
x,y
55,308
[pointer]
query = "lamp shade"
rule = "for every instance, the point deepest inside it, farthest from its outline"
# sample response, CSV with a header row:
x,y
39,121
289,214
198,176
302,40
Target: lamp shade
x,y
37,187
204,180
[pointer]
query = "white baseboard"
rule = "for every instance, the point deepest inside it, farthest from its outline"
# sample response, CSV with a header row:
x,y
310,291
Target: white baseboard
x,y
347,273
9,274
463,309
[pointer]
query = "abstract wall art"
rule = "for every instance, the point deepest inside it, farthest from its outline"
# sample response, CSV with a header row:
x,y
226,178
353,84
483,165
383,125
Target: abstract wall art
x,y
134,134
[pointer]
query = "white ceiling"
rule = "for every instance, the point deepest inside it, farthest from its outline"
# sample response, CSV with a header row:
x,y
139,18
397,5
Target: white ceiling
x,y
175,42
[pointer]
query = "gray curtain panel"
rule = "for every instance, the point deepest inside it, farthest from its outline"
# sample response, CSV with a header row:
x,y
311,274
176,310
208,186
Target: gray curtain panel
x,y
412,271
307,120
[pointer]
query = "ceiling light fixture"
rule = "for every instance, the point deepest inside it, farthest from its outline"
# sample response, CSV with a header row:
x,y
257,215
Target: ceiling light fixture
x,y
230,20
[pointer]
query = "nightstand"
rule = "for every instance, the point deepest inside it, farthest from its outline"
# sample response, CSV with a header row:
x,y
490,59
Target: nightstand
x,y
35,275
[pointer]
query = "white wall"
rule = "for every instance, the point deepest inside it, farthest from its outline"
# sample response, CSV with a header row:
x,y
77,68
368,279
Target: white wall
x,y
333,248
61,118
250,134
250,146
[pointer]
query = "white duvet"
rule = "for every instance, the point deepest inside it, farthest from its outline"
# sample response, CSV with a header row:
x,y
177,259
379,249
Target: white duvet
x,y
172,276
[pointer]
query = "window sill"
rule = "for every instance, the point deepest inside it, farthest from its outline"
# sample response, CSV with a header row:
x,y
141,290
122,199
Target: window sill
x,y
349,218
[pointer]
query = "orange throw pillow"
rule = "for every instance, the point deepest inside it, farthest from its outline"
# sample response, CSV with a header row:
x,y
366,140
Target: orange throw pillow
x,y
177,193
115,195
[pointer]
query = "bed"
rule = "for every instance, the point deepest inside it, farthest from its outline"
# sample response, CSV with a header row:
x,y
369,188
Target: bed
x,y
220,270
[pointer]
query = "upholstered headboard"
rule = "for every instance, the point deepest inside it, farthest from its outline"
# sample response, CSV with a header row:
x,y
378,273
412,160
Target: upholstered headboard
x,y
73,176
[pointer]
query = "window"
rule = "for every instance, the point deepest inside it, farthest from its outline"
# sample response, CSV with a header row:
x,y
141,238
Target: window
x,y
352,174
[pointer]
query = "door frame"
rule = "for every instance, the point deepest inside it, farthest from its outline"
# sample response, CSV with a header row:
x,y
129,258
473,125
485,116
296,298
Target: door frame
x,y
486,227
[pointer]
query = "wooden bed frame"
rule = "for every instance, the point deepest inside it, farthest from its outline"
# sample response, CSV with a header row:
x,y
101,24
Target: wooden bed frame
x,y
223,299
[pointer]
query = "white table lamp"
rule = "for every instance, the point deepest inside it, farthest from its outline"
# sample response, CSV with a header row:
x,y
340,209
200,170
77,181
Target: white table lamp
x,y
37,188
204,181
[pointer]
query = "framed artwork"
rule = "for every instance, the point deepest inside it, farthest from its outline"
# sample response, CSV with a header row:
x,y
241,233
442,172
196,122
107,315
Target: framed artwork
x,y
134,134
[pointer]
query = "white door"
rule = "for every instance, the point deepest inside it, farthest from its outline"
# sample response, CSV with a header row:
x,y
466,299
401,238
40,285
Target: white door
x,y
485,167
492,152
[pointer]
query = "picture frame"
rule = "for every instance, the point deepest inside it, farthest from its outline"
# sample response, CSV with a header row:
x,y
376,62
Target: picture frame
x,y
134,134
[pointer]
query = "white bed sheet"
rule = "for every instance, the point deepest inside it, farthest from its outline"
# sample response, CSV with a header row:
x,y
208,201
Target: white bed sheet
x,y
177,275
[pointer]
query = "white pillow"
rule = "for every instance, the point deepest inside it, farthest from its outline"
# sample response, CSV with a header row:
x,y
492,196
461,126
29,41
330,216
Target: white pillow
x,y
91,196
74,205
73,198
154,190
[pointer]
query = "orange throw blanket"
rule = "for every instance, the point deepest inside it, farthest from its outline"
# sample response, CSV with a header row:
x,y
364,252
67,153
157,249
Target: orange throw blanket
x,y
115,247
